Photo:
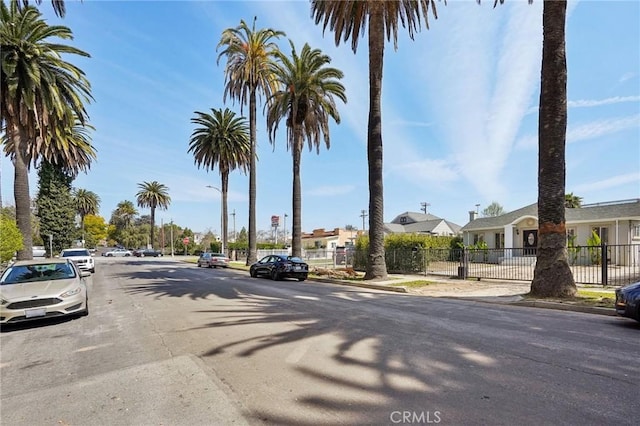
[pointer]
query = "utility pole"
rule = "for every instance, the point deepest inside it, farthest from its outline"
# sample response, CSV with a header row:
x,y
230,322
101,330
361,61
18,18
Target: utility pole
x,y
171,237
285,229
234,225
423,207
363,215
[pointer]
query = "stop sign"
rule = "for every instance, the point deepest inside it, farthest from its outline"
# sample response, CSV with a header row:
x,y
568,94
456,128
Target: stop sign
x,y
185,240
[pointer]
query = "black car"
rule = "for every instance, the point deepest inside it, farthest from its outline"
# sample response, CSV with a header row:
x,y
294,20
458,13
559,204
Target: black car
x,y
628,301
277,266
147,253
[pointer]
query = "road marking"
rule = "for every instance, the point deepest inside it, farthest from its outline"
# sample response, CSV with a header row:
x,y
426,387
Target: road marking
x,y
306,297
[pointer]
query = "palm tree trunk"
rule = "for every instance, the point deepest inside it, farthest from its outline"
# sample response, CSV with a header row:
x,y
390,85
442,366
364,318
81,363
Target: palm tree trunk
x,y
225,226
296,238
21,193
252,256
376,265
552,275
153,225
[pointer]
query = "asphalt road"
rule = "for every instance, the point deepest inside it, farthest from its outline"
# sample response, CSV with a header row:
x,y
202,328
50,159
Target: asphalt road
x,y
167,343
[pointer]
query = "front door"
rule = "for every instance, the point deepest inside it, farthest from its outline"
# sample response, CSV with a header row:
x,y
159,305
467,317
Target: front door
x,y
530,242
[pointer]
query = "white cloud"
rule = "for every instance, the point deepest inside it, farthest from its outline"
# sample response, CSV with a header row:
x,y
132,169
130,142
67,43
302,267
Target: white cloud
x,y
609,183
428,171
601,127
627,76
608,101
591,130
487,70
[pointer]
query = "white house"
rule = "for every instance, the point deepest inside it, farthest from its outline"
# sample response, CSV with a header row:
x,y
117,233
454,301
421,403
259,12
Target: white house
x,y
617,223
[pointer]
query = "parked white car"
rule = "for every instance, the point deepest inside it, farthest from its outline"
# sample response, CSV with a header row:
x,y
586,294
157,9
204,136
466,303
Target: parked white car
x,y
81,257
118,252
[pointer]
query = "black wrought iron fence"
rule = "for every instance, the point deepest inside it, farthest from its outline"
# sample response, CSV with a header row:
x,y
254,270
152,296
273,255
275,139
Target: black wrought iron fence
x,y
605,265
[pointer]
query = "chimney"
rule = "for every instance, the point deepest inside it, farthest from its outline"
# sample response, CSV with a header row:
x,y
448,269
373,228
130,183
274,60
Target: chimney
x,y
472,215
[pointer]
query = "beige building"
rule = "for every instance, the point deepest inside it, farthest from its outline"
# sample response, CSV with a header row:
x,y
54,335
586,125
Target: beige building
x,y
337,237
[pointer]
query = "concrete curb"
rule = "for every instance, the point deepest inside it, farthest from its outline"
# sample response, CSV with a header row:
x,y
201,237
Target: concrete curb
x,y
566,307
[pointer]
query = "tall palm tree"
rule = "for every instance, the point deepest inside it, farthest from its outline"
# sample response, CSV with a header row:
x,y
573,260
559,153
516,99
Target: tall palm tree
x,y
247,74
153,195
41,96
348,19
223,140
552,276
305,98
86,202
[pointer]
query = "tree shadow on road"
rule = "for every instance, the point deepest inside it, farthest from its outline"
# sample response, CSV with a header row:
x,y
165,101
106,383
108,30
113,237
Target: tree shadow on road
x,y
353,356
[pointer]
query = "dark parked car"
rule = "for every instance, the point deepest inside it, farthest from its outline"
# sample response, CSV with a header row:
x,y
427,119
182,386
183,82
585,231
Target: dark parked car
x,y
147,253
213,260
277,266
628,301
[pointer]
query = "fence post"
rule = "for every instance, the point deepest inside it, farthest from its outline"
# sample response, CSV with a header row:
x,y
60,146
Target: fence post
x,y
604,264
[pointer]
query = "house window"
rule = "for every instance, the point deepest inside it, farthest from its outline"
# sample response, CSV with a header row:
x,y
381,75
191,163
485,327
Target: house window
x,y
403,219
571,236
499,239
602,232
478,238
636,230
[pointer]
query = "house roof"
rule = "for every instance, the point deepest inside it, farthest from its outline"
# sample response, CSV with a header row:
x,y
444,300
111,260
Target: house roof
x,y
413,217
412,222
621,210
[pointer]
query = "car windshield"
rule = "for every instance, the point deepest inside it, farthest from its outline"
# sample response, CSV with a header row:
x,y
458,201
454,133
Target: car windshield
x,y
41,272
71,253
294,259
218,255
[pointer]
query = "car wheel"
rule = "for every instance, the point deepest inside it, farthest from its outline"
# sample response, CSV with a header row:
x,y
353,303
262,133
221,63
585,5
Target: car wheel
x,y
274,275
127,255
93,271
209,266
252,273
301,279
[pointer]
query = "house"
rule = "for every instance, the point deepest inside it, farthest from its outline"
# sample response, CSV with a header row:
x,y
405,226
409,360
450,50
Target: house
x,y
421,223
321,239
617,223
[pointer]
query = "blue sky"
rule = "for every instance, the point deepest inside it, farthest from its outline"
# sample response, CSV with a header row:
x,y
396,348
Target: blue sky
x,y
459,110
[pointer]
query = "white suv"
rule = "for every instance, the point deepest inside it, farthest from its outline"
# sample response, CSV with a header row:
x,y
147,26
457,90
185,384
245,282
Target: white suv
x,y
81,257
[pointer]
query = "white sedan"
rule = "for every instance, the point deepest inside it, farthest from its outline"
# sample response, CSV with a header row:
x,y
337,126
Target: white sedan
x,y
118,252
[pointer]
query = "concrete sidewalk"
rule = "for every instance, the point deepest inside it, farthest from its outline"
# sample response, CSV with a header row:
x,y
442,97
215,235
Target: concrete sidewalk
x,y
488,291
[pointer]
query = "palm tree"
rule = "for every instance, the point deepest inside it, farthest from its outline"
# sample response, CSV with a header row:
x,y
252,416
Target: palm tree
x,y
58,6
42,96
552,276
221,139
247,74
86,202
124,214
572,201
153,195
348,19
305,97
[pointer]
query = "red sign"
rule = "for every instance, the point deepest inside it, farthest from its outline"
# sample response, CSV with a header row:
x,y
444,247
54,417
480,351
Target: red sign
x,y
185,240
275,221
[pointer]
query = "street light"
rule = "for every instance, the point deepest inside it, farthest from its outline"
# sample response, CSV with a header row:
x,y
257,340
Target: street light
x,y
221,219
